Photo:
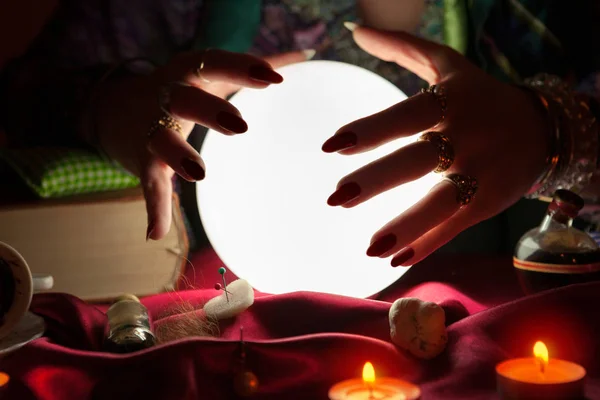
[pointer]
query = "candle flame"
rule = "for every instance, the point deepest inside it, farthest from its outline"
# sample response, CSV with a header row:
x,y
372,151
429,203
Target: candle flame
x,y
368,373
4,378
540,351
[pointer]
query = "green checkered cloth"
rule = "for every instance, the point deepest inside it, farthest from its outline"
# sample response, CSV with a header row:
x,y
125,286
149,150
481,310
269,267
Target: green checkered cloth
x,y
60,172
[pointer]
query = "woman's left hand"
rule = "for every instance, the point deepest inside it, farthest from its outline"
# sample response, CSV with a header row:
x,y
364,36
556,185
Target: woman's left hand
x,y
498,134
226,89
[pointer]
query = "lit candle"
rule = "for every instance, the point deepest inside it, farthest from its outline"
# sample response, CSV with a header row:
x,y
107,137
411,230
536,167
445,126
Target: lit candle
x,y
371,388
4,378
540,377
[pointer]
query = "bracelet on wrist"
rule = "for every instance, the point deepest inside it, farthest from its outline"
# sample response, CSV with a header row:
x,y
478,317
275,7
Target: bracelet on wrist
x,y
553,155
572,160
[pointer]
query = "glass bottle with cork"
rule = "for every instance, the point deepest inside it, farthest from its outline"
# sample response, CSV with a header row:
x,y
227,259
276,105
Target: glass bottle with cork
x,y
129,326
555,253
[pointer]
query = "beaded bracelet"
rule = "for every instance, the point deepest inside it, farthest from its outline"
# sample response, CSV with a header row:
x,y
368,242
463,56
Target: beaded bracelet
x,y
573,158
553,157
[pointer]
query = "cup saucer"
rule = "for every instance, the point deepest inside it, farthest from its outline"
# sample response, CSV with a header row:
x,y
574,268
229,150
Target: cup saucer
x,y
29,327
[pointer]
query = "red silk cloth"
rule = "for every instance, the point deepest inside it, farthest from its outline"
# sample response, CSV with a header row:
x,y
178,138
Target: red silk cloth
x,y
300,344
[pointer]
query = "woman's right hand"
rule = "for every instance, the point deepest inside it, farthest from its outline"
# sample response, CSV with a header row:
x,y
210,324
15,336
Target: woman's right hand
x,y
191,88
489,138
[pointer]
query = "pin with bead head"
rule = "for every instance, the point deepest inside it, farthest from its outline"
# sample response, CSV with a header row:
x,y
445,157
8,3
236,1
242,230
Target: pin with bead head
x,y
218,286
222,272
242,345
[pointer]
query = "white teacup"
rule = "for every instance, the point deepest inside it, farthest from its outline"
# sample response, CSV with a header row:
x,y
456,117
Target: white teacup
x,y
17,286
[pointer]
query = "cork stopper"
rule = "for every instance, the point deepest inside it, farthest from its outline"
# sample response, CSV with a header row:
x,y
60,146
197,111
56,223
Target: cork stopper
x,y
125,310
125,297
567,202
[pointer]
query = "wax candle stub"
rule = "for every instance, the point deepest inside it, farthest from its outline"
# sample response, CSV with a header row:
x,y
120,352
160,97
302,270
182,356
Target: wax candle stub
x,y
540,377
370,387
4,379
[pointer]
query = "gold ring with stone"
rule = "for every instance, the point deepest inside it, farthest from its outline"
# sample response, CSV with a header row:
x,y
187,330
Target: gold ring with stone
x,y
198,71
466,187
439,92
167,122
444,148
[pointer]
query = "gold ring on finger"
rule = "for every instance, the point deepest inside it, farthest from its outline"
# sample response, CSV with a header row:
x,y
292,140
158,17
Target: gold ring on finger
x,y
165,122
466,187
444,149
439,92
198,71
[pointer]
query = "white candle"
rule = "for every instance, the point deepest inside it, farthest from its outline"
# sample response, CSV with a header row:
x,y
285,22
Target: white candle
x,y
540,376
372,388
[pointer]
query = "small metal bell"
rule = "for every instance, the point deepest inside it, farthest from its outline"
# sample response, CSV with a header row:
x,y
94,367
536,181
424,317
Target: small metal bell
x,y
245,382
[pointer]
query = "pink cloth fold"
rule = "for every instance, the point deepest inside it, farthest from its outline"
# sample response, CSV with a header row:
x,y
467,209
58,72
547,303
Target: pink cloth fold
x,y
300,344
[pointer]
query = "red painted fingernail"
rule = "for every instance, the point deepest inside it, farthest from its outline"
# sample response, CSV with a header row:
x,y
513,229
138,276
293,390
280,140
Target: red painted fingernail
x,y
231,122
344,194
382,245
193,169
403,256
264,74
150,230
339,142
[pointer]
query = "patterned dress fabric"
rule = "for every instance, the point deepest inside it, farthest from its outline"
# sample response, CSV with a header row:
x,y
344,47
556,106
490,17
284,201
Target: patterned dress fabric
x,y
43,92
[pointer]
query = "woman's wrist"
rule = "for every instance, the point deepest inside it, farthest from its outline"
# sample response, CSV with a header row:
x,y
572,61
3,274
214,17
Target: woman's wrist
x,y
572,161
545,128
592,190
105,99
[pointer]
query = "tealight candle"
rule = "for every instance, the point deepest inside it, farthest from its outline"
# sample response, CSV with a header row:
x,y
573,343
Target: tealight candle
x,y
540,377
4,378
370,388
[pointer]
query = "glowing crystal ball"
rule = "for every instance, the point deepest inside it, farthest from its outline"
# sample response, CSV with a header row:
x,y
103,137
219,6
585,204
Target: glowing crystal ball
x,y
263,202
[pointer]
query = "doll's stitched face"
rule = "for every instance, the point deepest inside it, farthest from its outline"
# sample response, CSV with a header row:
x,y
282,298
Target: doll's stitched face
x,y
7,288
